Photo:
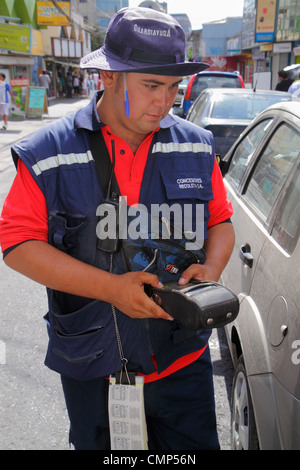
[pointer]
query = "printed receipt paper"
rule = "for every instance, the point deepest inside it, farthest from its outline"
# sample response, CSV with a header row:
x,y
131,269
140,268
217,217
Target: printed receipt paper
x,y
126,411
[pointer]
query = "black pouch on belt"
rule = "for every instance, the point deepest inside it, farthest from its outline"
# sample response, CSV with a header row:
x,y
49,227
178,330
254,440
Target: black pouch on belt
x,y
197,305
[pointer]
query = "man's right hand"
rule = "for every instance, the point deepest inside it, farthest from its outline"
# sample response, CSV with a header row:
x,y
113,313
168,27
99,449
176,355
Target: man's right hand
x,y
128,295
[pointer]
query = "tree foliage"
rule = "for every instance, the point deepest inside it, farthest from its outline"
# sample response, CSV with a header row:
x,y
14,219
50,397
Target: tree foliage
x,y
97,38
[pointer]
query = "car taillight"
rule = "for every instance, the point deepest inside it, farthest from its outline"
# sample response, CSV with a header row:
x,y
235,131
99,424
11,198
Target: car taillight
x,y
242,82
189,88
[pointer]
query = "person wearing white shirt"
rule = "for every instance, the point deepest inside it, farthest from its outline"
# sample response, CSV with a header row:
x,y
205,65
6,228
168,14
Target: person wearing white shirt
x,y
45,81
295,87
5,90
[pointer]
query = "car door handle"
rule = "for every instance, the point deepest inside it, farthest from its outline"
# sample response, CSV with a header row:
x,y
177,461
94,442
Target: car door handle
x,y
245,255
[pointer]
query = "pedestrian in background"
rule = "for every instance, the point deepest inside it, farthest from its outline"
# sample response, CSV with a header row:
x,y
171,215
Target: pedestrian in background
x,y
76,85
69,85
284,81
5,90
45,81
295,87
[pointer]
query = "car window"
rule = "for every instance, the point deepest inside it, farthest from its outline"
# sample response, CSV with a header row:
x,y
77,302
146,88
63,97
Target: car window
x,y
245,150
287,223
229,107
234,105
196,110
272,170
261,101
213,81
198,86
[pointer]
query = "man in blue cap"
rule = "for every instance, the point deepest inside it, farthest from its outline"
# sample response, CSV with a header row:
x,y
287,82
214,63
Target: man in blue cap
x,y
99,315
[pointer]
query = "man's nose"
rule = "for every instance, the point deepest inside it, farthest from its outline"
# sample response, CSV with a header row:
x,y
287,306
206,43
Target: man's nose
x,y
163,97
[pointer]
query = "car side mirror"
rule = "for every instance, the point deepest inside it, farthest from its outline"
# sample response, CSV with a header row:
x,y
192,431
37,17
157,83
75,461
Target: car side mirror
x,y
223,164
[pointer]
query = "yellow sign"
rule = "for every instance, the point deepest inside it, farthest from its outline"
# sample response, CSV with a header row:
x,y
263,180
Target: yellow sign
x,y
15,37
266,47
37,43
48,14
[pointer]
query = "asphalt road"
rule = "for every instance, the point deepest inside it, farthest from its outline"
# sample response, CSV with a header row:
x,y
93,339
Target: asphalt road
x,y
32,409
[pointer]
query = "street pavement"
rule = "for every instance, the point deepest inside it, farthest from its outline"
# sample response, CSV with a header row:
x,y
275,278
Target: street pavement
x,y
32,408
17,129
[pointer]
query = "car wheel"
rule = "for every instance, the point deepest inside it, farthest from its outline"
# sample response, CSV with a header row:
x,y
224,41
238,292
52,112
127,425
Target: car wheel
x,y
244,435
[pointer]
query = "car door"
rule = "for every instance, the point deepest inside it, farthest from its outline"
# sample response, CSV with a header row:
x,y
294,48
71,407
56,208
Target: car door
x,y
250,231
283,314
275,188
270,323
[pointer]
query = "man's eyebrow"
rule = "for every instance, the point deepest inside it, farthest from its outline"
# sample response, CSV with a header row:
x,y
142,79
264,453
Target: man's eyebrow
x,y
158,82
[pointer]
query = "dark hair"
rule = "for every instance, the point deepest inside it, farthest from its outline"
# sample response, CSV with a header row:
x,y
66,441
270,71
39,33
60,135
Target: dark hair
x,y
2,75
283,74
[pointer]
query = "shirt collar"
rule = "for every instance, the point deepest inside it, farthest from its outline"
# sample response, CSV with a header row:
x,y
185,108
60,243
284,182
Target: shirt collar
x,y
168,121
88,118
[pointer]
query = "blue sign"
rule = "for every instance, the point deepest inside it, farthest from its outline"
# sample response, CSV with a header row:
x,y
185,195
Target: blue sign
x,y
264,37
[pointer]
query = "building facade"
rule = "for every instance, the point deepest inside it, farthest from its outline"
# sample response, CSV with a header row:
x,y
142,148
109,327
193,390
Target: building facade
x,y
271,34
100,12
260,44
36,35
221,45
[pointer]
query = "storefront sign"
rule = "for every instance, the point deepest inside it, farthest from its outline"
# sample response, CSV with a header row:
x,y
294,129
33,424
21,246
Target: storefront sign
x,y
15,38
36,102
48,14
66,48
258,55
37,43
265,20
282,47
266,48
19,89
233,46
19,82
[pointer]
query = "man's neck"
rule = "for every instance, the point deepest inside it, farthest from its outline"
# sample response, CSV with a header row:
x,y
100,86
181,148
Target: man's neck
x,y
107,116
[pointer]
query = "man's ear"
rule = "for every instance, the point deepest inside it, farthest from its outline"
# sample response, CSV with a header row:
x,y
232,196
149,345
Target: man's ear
x,y
108,78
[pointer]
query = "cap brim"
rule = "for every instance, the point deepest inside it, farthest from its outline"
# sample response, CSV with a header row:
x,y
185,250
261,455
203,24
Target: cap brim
x,y
178,70
101,61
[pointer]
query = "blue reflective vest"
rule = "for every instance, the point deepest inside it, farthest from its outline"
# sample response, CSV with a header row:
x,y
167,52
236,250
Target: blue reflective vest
x,y
82,337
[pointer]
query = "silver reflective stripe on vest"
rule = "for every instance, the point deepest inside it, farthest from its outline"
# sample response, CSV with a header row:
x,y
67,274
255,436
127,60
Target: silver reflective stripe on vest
x,y
185,147
58,160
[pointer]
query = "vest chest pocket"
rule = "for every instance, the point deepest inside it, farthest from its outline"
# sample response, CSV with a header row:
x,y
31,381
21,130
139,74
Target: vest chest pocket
x,y
187,184
188,193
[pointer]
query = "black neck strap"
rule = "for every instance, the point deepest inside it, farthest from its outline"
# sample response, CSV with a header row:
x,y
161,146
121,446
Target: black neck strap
x,y
104,166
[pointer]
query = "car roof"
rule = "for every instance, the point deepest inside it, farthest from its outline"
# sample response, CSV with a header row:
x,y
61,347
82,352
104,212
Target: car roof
x,y
243,91
218,72
292,107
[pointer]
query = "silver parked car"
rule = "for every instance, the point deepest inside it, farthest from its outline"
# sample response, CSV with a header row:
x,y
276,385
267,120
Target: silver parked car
x,y
181,91
262,175
226,112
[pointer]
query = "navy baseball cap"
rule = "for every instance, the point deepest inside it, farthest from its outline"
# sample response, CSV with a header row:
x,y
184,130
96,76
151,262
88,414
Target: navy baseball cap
x,y
145,41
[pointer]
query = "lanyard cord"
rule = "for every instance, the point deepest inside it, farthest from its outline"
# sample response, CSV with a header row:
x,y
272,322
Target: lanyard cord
x,y
121,352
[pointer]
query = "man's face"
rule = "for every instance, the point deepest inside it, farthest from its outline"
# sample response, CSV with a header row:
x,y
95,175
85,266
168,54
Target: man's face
x,y
150,99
